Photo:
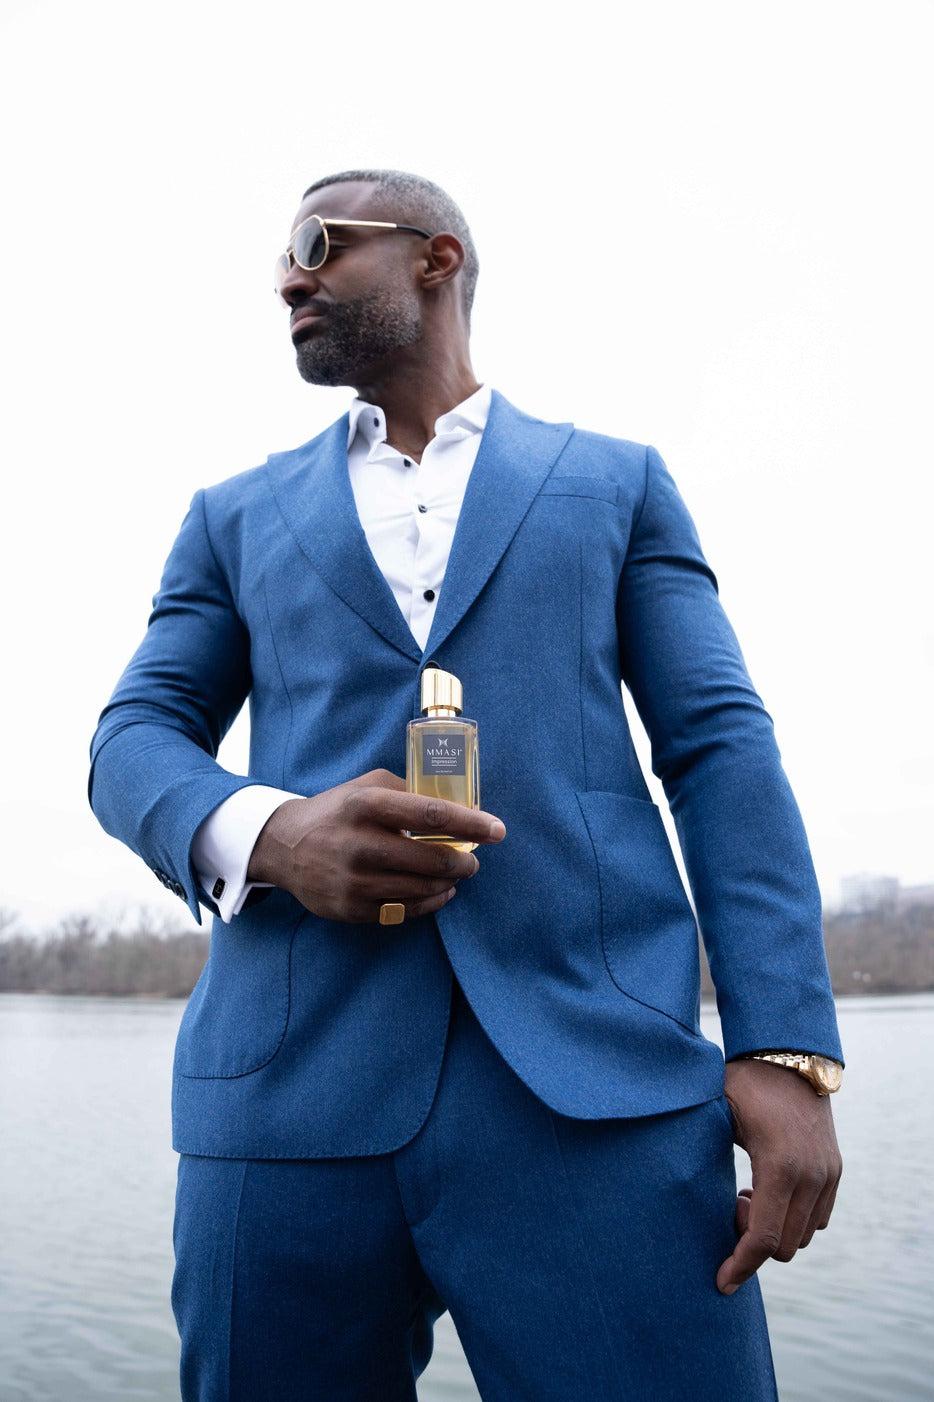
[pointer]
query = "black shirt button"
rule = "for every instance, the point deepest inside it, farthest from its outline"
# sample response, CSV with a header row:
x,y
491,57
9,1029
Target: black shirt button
x,y
422,508
428,595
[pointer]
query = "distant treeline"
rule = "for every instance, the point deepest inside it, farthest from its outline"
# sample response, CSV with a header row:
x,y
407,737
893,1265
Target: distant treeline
x,y
79,957
887,950
878,951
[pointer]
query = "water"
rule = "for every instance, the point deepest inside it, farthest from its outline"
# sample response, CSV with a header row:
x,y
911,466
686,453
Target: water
x,y
87,1181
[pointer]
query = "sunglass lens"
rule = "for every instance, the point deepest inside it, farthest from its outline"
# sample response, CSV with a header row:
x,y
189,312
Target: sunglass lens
x,y
282,271
309,245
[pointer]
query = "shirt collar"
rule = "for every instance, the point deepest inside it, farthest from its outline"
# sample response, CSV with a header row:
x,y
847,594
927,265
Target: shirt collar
x,y
468,417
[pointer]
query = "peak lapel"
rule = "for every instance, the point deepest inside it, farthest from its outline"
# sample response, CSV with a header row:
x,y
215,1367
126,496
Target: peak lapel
x,y
516,455
312,488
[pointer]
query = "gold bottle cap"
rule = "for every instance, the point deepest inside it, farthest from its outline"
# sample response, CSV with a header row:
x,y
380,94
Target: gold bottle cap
x,y
441,691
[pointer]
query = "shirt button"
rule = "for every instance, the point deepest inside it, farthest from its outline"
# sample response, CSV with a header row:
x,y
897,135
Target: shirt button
x,y
428,595
422,508
407,462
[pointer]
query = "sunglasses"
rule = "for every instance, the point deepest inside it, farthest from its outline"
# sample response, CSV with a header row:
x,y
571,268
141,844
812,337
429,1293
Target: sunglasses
x,y
309,245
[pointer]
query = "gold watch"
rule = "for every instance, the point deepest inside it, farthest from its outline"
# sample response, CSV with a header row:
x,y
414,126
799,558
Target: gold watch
x,y
824,1074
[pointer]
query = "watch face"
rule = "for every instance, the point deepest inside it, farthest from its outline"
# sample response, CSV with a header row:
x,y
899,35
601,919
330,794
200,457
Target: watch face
x,y
829,1073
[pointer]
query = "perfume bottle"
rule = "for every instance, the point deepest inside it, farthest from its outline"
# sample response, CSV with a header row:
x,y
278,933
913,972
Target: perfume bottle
x,y
441,751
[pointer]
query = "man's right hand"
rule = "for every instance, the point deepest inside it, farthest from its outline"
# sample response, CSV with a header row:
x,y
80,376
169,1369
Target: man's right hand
x,y
343,853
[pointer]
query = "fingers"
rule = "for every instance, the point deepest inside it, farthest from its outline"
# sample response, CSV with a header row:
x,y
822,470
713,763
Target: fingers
x,y
411,910
777,1221
394,808
378,878
344,853
385,865
778,1217
787,1130
820,1217
761,1238
353,885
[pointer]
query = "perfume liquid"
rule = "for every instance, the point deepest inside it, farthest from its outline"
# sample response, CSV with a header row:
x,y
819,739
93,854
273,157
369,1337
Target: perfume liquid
x,y
442,759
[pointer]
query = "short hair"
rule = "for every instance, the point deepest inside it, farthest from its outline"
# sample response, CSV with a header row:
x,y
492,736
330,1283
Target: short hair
x,y
416,200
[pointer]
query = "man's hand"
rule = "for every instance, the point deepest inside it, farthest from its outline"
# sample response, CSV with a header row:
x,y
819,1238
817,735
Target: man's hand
x,y
343,852
787,1130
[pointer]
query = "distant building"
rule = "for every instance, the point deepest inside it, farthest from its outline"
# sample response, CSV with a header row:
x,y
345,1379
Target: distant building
x,y
866,891
909,896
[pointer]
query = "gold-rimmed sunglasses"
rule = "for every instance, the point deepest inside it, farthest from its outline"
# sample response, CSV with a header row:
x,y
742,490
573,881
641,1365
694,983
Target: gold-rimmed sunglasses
x,y
309,245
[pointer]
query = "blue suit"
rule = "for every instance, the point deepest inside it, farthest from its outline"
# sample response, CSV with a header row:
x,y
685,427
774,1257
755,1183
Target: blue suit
x,y
575,567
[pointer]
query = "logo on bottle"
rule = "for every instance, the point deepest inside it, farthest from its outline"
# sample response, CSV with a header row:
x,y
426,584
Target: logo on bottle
x,y
443,754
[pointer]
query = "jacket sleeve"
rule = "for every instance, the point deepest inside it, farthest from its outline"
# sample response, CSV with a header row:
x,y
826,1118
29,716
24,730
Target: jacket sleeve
x,y
713,747
154,776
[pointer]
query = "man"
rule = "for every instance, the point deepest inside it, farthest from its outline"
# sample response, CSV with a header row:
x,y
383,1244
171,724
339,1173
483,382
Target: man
x,y
503,1105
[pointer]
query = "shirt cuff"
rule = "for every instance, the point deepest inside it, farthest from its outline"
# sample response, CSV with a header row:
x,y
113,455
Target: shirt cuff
x,y
223,844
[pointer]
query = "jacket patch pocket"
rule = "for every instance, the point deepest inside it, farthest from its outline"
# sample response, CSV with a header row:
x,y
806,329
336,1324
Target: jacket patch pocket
x,y
237,1016
648,929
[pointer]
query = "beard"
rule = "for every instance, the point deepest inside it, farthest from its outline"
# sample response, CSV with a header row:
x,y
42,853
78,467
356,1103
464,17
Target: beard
x,y
358,333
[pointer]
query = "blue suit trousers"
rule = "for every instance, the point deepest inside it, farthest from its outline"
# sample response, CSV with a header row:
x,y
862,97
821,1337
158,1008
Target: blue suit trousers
x,y
577,1258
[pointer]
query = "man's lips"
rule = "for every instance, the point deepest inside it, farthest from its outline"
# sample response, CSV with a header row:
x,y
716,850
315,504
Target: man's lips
x,y
305,318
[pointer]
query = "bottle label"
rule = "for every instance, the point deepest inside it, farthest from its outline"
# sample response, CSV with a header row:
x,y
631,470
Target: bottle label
x,y
443,754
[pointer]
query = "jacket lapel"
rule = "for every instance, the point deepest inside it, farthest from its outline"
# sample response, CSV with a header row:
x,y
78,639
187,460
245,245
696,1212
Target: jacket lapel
x,y
312,488
516,455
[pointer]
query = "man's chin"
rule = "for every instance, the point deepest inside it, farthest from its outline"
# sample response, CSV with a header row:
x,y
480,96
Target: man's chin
x,y
315,368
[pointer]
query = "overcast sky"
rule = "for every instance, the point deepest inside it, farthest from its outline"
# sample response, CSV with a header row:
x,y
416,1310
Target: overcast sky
x,y
706,226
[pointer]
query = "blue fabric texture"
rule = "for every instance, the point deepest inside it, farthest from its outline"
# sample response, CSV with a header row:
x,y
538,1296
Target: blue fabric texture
x,y
577,1258
575,568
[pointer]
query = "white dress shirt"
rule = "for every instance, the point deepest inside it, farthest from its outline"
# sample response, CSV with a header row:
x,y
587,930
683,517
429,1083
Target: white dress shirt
x,y
409,513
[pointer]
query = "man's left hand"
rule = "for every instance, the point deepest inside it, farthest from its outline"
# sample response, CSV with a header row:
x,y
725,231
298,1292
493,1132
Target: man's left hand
x,y
787,1130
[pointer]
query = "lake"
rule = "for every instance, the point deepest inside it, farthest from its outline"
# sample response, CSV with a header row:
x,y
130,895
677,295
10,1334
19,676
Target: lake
x,y
87,1181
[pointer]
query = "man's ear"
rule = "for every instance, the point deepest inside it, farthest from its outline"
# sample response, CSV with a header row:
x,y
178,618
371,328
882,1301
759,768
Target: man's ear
x,y
443,256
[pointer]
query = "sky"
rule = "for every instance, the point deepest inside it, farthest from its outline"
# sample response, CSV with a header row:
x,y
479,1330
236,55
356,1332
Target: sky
x,y
707,227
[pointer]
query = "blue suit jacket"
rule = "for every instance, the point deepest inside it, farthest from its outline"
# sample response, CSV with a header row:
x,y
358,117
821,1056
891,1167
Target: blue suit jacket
x,y
575,565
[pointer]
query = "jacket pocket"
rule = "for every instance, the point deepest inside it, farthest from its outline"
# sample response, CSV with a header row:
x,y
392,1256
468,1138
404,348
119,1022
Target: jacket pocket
x,y
648,929
597,488
237,1016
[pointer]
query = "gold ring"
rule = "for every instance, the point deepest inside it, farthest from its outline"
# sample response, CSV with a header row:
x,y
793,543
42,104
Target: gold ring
x,y
391,913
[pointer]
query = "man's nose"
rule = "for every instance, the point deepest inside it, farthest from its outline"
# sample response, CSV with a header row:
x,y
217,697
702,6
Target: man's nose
x,y
298,285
